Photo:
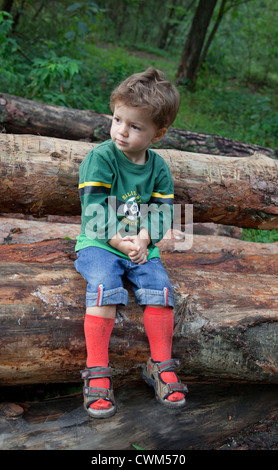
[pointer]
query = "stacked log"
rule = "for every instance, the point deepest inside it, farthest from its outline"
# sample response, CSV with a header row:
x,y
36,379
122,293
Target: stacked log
x,y
22,116
226,310
39,176
226,320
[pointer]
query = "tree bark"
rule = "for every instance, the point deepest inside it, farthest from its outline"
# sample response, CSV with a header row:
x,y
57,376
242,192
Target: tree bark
x,y
188,65
233,416
212,34
19,115
20,229
39,176
226,314
22,116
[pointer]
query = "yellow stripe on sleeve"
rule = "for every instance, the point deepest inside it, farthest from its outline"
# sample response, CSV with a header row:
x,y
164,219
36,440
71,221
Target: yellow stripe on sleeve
x,y
94,183
163,196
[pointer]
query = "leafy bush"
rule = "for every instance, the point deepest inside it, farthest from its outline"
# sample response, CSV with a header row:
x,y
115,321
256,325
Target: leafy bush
x,y
51,79
63,64
260,236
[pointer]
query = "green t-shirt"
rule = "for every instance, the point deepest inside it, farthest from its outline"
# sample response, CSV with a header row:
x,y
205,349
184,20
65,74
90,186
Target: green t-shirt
x,y
118,195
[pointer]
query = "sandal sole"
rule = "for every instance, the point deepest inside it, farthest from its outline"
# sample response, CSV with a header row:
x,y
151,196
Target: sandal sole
x,y
101,414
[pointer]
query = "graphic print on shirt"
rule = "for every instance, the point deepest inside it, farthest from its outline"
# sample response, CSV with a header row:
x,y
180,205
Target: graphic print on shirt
x,y
130,209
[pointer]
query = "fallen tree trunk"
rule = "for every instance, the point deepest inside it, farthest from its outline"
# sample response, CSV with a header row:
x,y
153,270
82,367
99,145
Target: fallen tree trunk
x,y
39,176
226,314
233,416
21,229
21,116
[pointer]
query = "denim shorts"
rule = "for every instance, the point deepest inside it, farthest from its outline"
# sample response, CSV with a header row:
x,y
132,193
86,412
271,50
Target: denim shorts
x,y
104,272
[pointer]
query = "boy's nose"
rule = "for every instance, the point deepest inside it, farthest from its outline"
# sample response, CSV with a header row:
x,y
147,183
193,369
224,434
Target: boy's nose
x,y
123,129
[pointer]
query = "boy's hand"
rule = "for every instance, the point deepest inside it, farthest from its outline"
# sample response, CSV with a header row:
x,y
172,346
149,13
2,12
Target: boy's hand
x,y
141,241
134,246
125,246
139,252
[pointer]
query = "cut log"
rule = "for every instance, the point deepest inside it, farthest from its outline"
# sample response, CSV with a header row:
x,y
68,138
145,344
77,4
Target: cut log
x,y
39,175
232,416
21,116
226,314
22,229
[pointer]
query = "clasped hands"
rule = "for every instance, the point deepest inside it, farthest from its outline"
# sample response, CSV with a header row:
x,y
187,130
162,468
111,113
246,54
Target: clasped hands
x,y
134,246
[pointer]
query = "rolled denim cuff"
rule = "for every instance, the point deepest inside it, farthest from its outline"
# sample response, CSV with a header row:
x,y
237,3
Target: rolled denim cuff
x,y
107,297
165,297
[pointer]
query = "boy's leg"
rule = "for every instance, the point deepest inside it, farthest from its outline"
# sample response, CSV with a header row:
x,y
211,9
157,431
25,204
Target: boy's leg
x,y
105,311
104,292
98,326
159,324
153,289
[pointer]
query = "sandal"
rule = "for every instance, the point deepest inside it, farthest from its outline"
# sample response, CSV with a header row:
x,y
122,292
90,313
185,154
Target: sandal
x,y
152,376
92,394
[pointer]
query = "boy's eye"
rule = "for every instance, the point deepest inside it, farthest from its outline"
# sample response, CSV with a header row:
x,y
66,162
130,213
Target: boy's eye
x,y
136,128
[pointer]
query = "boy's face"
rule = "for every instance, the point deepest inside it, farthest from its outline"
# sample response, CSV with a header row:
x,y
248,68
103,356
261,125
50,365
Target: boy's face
x,y
133,131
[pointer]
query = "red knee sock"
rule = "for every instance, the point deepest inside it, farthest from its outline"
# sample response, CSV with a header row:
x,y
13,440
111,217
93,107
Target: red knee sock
x,y
97,334
159,325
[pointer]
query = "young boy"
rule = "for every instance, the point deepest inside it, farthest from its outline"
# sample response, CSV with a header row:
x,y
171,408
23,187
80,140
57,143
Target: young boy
x,y
120,179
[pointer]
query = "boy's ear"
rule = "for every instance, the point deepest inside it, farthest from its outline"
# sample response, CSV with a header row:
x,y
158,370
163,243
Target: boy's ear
x,y
159,135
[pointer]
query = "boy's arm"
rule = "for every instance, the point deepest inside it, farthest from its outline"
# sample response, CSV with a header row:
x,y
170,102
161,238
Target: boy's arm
x,y
95,179
159,218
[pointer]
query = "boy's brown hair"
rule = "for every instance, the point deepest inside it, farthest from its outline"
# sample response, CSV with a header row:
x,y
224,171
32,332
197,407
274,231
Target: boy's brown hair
x,y
149,89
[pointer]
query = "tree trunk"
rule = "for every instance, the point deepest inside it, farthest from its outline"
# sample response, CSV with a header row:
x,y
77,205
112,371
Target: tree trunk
x,y
39,176
20,229
232,416
19,115
22,116
212,34
192,50
226,313
211,144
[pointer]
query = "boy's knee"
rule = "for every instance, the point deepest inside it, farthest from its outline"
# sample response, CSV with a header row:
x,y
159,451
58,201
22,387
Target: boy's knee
x,y
106,311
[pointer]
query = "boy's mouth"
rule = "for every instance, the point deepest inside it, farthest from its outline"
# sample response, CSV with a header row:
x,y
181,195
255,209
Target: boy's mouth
x,y
121,142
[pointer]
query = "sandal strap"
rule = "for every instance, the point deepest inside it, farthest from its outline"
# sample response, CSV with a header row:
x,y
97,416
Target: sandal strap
x,y
176,387
165,366
96,373
93,394
96,392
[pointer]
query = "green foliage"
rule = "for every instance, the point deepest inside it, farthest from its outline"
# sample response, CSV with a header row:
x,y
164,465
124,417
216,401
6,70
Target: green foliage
x,y
6,23
12,68
51,79
230,111
260,236
136,447
83,19
68,59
